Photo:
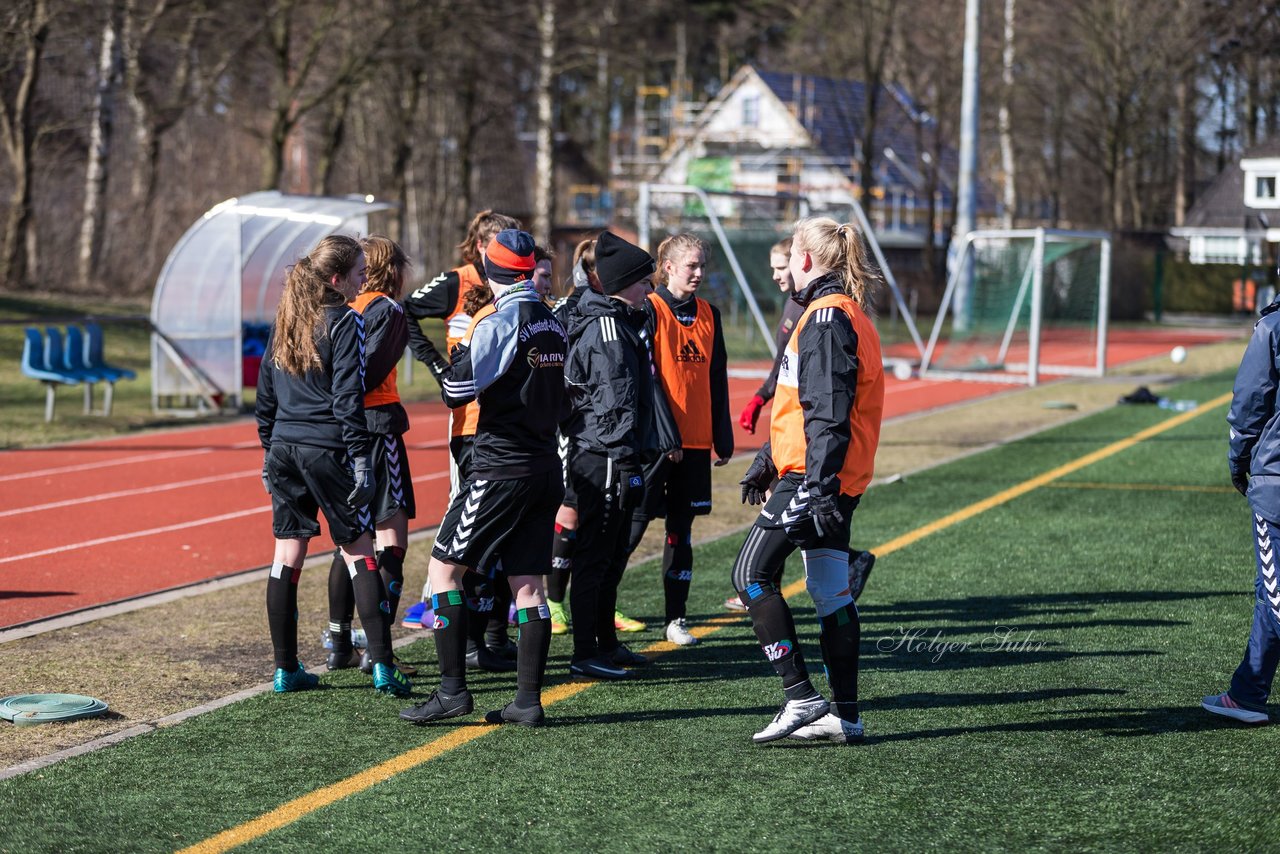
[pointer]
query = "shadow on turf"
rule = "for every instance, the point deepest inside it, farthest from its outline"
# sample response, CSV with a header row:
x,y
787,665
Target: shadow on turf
x,y
972,609
1125,723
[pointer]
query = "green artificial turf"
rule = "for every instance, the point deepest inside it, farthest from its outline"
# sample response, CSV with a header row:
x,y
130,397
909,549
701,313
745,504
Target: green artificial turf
x,y
1031,680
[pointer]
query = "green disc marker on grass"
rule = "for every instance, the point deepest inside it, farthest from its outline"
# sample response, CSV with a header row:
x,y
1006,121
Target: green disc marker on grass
x,y
31,709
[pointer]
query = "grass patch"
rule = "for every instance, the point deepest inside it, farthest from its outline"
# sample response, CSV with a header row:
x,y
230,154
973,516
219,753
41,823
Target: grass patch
x,y
1082,628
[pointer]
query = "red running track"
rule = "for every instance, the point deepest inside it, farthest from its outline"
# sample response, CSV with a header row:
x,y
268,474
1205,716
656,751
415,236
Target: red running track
x,y
87,524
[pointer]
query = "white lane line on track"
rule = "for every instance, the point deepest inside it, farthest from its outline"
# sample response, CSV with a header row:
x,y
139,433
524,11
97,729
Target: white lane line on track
x,y
121,461
165,529
146,458
126,493
181,526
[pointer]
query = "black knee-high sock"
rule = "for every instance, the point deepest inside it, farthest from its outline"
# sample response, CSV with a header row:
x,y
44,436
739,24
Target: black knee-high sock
x,y
771,618
342,603
451,640
495,633
282,614
391,567
531,663
371,603
639,525
478,597
841,635
565,545
677,570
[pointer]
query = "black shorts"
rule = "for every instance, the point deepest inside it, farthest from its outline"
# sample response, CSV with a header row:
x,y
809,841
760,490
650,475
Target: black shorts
x,y
678,489
306,481
788,509
510,520
391,470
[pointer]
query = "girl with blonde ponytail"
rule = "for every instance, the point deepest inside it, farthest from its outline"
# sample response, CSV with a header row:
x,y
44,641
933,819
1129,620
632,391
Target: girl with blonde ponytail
x,y
311,422
822,444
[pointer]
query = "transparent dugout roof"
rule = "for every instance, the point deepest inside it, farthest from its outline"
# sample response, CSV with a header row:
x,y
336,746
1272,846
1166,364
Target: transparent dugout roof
x,y
228,270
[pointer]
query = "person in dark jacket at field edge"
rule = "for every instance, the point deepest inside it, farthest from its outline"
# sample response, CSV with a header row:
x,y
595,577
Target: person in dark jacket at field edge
x,y
613,435
1253,462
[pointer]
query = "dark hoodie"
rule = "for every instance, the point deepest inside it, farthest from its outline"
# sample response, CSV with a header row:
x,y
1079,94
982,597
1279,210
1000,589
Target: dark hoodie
x,y
1254,417
610,382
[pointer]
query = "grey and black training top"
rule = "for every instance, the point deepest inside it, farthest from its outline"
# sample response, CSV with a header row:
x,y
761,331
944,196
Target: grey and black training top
x,y
512,362
324,407
1254,417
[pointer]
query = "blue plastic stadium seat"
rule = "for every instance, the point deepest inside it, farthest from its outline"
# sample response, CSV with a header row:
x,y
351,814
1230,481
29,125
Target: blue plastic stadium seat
x,y
93,359
36,364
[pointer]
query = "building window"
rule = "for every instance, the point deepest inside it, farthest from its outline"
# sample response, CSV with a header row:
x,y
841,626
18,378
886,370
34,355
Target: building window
x,y
751,111
1216,249
1261,186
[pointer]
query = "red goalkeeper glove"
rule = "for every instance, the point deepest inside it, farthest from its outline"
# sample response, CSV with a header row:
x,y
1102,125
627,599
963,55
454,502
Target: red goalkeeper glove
x,y
751,414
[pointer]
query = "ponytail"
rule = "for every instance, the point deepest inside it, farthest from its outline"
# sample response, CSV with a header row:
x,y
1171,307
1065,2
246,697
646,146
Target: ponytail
x,y
838,247
307,293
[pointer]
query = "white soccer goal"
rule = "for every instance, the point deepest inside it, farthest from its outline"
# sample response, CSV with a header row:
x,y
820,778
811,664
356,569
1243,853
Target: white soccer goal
x,y
1035,303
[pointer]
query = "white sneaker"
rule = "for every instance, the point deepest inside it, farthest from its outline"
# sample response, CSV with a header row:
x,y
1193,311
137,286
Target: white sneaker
x,y
793,715
830,728
678,633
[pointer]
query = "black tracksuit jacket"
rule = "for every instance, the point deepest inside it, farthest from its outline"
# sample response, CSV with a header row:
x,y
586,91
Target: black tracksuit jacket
x,y
324,408
611,384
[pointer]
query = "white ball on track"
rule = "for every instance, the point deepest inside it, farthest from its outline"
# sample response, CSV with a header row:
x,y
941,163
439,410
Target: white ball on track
x,y
1178,354
902,371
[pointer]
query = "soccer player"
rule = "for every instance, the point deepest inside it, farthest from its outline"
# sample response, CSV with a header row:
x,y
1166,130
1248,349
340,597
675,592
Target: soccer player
x,y
612,433
386,334
1253,461
446,297
860,562
822,444
511,360
566,539
311,423
689,353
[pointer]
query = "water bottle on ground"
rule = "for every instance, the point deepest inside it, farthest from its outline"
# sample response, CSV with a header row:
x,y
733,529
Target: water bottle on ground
x,y
1177,405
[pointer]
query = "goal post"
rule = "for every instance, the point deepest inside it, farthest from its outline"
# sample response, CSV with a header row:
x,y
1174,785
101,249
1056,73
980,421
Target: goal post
x,y
1036,304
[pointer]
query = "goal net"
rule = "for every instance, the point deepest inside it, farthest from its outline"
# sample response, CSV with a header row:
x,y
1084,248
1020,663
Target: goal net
x,y
1021,303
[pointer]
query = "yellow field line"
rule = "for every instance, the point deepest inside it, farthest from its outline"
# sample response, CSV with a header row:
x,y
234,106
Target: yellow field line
x,y
1140,487
291,811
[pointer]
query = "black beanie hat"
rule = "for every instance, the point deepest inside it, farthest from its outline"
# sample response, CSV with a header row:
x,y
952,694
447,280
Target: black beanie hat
x,y
620,264
509,257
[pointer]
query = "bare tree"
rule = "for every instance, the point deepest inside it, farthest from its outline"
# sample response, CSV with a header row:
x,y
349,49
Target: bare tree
x,y
302,80
544,177
101,129
29,23
1008,164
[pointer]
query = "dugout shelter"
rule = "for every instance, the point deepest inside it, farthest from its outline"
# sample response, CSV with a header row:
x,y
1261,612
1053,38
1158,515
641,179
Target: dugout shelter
x,y
217,293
